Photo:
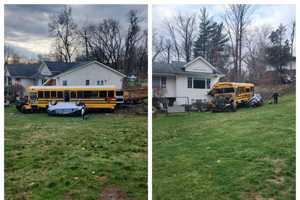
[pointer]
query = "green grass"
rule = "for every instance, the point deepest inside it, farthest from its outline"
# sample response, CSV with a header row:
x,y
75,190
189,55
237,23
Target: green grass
x,y
249,154
67,158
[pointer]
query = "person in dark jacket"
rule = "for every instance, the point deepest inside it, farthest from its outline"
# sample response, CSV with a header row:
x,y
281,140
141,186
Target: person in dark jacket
x,y
83,112
275,97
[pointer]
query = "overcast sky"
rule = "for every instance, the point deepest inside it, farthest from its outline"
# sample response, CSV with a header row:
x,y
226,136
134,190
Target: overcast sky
x,y
26,26
270,15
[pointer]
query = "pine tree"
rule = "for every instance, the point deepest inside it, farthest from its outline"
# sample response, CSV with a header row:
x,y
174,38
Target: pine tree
x,y
211,41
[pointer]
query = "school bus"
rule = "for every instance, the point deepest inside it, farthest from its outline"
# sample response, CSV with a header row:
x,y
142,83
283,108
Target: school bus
x,y
230,95
93,97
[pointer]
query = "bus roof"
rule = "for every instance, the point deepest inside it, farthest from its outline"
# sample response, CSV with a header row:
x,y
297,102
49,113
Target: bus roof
x,y
232,84
74,87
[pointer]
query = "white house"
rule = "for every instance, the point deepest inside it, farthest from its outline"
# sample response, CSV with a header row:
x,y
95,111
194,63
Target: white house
x,y
58,73
184,82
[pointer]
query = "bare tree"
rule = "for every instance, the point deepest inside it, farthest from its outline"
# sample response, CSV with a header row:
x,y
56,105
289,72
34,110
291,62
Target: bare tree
x,y
292,36
185,29
133,37
255,44
158,46
237,18
168,49
173,37
63,28
106,42
85,35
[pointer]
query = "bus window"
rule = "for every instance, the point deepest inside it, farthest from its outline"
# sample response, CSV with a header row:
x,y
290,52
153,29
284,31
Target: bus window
x,y
102,94
40,94
90,94
73,94
60,94
119,93
87,94
47,94
110,94
94,94
80,94
247,89
53,94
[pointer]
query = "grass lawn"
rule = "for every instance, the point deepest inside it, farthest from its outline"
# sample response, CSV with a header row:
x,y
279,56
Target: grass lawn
x,y
245,155
67,158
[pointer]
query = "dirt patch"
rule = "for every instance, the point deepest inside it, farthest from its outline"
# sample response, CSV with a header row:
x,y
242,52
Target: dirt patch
x,y
113,193
67,196
278,180
254,196
101,179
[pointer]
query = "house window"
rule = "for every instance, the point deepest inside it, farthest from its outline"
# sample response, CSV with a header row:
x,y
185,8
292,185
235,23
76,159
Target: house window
x,y
9,81
100,82
65,82
43,81
87,82
190,82
163,82
156,82
208,83
199,84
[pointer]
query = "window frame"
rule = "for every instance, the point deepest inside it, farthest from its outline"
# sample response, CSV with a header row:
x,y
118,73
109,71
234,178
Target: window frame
x,y
64,82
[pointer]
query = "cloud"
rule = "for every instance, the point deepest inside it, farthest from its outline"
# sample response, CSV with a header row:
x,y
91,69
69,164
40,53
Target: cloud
x,y
271,15
26,26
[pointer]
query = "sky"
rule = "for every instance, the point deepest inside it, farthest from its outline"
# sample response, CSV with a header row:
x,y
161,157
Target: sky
x,y
270,15
26,26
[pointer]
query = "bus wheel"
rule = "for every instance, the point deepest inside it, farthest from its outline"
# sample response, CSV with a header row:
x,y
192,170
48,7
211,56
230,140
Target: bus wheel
x,y
24,110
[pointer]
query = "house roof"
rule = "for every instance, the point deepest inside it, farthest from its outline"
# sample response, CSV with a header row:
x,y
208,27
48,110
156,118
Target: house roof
x,y
179,68
32,70
168,68
60,67
23,70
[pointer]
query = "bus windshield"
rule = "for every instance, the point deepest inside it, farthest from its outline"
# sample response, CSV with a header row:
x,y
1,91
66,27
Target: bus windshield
x,y
224,90
33,96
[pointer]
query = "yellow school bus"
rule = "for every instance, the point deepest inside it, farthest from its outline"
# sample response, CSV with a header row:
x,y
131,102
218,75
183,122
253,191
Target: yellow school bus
x,y
93,97
231,94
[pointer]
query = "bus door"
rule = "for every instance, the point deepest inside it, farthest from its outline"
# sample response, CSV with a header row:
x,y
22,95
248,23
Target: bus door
x,y
66,96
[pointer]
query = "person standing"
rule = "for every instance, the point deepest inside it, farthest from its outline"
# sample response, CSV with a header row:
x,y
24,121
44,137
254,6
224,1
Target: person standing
x,y
275,97
83,112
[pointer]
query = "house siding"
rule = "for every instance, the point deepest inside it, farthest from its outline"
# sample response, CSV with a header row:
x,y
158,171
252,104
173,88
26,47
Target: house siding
x,y
199,66
93,72
182,90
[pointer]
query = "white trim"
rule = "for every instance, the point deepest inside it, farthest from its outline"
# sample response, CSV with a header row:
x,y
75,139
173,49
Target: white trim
x,y
202,59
